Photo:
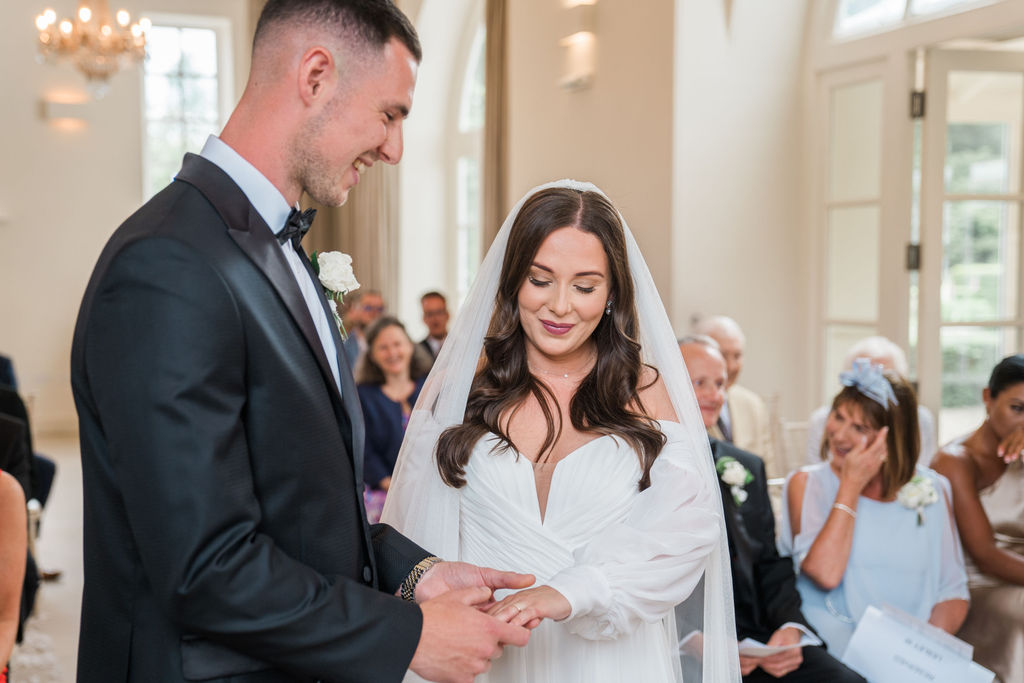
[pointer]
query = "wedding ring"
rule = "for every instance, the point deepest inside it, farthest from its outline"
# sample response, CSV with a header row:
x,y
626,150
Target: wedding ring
x,y
518,607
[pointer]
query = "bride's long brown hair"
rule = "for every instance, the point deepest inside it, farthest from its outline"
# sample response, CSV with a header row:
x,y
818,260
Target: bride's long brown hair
x,y
607,401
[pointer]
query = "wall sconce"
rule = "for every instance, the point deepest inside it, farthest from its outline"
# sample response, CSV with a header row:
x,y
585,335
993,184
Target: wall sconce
x,y
580,43
67,111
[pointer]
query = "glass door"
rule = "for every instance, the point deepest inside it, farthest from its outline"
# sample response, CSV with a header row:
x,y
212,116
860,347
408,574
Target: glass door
x,y
971,306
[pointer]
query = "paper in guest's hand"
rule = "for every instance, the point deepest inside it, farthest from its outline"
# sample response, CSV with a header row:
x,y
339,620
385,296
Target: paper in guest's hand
x,y
755,648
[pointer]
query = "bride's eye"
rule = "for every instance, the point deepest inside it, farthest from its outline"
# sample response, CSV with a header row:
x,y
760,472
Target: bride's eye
x,y
538,283
585,290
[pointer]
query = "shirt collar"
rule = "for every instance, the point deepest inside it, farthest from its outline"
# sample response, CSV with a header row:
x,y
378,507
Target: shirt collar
x,y
261,193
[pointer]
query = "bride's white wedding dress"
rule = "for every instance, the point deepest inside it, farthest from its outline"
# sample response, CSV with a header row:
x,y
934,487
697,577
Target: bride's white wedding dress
x,y
623,559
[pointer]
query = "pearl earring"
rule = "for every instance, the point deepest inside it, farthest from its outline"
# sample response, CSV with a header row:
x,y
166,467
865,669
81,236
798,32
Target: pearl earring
x,y
608,307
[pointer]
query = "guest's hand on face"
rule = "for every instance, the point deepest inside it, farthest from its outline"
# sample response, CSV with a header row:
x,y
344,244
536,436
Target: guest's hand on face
x,y
527,608
1011,448
780,664
449,576
864,461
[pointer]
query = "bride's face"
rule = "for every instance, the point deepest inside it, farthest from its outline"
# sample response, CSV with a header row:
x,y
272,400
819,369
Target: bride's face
x,y
564,295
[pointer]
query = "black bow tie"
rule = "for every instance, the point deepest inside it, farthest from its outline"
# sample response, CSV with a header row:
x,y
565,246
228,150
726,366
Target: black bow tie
x,y
297,225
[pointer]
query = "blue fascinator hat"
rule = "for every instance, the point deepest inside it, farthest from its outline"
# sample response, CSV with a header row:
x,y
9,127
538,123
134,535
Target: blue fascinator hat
x,y
869,379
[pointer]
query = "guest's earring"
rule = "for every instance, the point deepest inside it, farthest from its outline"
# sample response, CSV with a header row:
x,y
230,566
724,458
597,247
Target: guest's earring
x,y
608,307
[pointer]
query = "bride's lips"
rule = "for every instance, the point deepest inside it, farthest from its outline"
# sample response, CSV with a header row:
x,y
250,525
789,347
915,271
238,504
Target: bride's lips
x,y
557,329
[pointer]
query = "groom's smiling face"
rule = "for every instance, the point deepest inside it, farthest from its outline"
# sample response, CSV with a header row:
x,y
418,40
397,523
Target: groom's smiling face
x,y
360,125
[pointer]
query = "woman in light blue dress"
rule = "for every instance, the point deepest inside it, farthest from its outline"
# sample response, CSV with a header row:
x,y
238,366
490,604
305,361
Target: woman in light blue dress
x,y
868,527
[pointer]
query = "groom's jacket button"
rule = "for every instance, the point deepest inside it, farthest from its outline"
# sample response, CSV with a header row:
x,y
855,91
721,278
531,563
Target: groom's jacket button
x,y
367,574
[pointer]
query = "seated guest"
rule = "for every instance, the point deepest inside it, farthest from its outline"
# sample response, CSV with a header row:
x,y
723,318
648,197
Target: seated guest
x,y
764,585
435,317
7,373
365,306
389,378
13,549
869,527
744,422
987,475
880,351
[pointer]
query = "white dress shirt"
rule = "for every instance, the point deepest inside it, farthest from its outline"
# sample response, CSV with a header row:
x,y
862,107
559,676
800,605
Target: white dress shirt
x,y
273,208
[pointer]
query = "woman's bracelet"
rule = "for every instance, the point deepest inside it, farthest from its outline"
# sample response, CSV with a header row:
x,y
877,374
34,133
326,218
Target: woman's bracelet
x,y
845,508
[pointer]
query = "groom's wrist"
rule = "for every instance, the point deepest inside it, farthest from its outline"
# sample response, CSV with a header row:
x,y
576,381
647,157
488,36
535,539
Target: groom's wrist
x,y
408,589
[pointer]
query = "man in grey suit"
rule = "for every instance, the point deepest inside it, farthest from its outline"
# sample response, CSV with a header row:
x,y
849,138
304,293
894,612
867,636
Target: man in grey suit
x,y
225,536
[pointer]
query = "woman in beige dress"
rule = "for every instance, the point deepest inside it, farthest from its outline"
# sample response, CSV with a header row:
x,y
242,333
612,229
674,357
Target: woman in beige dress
x,y
986,471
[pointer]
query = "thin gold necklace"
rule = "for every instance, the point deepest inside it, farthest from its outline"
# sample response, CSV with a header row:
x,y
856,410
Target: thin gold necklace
x,y
577,375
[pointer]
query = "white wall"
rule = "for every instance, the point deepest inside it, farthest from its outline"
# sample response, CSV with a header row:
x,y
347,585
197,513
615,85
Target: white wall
x,y
63,191
737,155
616,133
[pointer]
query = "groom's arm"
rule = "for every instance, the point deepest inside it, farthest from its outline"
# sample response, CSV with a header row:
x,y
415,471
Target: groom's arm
x,y
162,357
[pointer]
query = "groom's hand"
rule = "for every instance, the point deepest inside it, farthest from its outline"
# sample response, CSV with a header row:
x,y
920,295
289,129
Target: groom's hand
x,y
449,576
459,641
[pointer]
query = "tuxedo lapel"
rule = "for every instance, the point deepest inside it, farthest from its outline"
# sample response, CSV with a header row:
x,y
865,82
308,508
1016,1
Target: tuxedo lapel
x,y
352,414
254,237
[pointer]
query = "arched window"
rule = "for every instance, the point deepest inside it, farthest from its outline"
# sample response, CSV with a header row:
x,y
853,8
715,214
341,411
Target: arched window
x,y
467,147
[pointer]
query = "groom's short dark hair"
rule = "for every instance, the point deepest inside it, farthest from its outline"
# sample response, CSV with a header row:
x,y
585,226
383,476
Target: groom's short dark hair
x,y
370,22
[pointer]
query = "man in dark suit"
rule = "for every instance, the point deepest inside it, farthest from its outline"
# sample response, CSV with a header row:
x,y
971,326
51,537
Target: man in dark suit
x,y
435,317
365,306
767,604
225,536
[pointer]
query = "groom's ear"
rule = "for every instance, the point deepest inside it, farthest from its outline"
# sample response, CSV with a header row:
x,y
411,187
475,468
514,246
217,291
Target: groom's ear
x,y
316,73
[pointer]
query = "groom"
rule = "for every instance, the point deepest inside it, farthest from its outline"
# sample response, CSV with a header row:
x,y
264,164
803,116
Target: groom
x,y
222,440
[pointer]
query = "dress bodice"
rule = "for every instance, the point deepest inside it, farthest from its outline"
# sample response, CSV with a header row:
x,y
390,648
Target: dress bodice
x,y
1003,502
591,487
623,558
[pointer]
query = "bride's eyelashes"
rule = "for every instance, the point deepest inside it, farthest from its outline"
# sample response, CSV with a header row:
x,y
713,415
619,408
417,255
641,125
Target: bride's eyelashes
x,y
544,283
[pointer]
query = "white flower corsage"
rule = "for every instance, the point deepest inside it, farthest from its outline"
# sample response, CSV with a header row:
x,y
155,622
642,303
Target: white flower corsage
x,y
736,477
917,494
335,272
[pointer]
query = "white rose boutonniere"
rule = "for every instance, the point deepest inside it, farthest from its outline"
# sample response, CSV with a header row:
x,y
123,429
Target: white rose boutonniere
x,y
917,494
736,477
334,269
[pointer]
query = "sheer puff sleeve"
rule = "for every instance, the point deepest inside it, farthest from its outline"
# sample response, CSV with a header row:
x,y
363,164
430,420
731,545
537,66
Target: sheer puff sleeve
x,y
637,570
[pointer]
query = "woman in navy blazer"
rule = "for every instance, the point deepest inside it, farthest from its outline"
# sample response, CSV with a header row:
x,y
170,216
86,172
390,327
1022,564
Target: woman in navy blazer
x,y
389,376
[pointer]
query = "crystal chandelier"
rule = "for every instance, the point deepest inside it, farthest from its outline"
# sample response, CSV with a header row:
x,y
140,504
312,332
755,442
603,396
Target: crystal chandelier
x,y
96,42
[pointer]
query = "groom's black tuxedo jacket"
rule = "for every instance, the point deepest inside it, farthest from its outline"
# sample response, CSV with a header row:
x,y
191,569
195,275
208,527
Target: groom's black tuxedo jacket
x,y
225,537
763,583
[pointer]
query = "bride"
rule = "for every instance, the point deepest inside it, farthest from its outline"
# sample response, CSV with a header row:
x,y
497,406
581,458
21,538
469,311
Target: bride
x,y
566,443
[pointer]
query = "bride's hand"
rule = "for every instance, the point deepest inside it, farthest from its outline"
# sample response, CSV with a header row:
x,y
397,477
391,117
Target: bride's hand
x,y
527,608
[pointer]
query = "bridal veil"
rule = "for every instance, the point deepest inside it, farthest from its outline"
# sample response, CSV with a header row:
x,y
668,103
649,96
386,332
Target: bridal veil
x,y
426,510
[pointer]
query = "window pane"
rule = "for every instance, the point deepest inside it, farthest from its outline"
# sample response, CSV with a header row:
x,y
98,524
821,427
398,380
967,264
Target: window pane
x,y
926,6
853,264
968,356
199,96
855,141
474,89
467,177
163,50
983,134
980,261
181,98
860,16
163,97
165,145
838,340
199,51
